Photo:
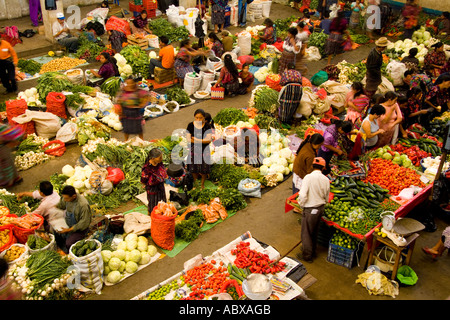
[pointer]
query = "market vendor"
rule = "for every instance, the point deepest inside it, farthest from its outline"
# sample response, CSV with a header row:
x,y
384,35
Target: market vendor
x,y
117,39
405,86
304,158
290,94
300,58
373,64
47,195
217,46
183,59
356,103
330,144
247,79
199,136
438,97
153,175
166,57
247,147
390,121
78,217
312,198
270,34
228,77
412,109
410,61
435,60
227,41
442,24
108,68
370,128
8,64
140,24
61,33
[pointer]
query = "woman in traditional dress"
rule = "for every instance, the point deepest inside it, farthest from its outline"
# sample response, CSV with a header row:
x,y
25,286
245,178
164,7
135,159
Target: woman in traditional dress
x,y
356,104
140,24
435,60
218,14
183,58
270,34
290,94
229,76
199,136
338,28
291,47
132,101
217,45
153,176
247,79
108,68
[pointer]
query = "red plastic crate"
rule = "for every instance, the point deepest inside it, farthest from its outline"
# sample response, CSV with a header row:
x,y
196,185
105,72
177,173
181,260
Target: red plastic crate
x,y
150,5
151,13
135,8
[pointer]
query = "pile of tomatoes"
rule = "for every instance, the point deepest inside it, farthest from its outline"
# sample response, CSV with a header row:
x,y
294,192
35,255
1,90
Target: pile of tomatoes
x,y
205,280
391,176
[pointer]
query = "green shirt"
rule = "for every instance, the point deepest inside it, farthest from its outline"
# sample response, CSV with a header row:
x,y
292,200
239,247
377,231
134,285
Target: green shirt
x,y
81,209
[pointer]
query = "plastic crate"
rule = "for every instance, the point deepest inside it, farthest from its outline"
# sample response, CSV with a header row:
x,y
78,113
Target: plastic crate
x,y
150,4
134,7
341,256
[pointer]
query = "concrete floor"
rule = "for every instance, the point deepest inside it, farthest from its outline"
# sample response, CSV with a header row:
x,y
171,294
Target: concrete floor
x,y
264,218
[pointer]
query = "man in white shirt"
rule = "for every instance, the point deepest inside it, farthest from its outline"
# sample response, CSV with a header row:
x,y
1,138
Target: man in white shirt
x,y
48,196
61,33
313,196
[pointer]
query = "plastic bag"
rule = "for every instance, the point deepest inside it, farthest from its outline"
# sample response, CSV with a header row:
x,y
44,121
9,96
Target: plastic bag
x,y
396,69
406,275
250,191
319,78
115,175
136,222
163,230
313,54
68,132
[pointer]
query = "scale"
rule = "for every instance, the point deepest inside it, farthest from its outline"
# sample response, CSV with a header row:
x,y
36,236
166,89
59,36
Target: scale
x,y
388,221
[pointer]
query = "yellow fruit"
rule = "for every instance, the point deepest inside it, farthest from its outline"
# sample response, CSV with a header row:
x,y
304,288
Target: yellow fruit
x,y
51,53
377,229
384,235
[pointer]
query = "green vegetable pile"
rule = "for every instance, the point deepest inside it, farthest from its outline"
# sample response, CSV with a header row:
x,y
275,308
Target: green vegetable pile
x,y
266,122
84,247
230,198
189,229
282,25
28,144
318,39
228,175
138,59
229,116
178,94
162,26
266,100
88,50
111,86
29,66
52,82
35,242
360,38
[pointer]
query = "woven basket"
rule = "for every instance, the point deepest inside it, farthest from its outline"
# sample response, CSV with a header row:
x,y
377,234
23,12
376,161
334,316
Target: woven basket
x,y
217,93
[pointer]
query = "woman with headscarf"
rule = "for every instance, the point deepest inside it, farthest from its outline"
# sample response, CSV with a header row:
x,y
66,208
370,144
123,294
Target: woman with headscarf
x,y
435,60
229,76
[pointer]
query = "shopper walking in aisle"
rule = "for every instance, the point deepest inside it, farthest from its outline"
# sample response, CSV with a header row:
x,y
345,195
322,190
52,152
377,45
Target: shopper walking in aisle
x,y
443,243
291,47
373,65
334,43
218,14
35,12
153,175
8,64
313,196
132,101
78,217
242,13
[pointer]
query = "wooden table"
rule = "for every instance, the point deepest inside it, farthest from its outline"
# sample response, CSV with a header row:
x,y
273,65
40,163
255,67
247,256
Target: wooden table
x,y
399,251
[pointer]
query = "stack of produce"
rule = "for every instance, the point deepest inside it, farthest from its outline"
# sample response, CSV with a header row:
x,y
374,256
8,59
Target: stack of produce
x,y
30,66
131,253
138,59
30,153
61,64
264,99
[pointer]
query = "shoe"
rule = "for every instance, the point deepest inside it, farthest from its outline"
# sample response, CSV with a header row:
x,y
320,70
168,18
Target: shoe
x,y
428,251
303,258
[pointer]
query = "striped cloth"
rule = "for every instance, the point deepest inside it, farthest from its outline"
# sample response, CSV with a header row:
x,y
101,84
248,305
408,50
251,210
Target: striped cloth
x,y
289,99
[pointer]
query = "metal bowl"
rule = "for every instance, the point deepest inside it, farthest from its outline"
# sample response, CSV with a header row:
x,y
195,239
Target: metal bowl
x,y
59,53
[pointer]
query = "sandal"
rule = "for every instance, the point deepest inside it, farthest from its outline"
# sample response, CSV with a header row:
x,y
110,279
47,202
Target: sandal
x,y
428,251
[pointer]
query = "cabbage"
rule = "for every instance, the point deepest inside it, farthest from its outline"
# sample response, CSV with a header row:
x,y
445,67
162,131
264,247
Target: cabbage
x,y
68,170
145,258
131,245
123,264
152,250
78,184
285,153
106,270
114,276
131,237
267,162
119,254
263,137
131,267
114,263
142,246
135,255
122,245
264,170
280,177
106,255
283,162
